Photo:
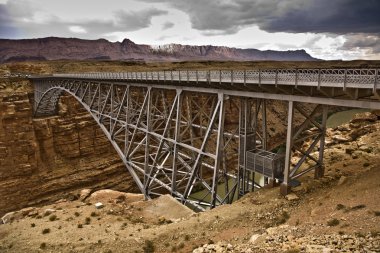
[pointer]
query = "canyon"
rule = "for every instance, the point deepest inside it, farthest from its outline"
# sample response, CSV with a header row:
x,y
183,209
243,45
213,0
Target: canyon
x,y
43,160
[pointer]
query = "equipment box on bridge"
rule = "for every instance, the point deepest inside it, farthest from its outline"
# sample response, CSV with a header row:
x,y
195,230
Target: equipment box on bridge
x,y
266,163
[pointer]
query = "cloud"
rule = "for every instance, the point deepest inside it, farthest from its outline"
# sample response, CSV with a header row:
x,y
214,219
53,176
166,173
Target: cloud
x,y
294,16
18,18
167,25
136,20
362,41
77,29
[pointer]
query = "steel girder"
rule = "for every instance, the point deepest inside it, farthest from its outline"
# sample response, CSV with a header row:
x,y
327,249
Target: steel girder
x,y
174,139
171,141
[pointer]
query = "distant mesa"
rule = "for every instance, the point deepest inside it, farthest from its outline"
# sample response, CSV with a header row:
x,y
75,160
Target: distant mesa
x,y
53,48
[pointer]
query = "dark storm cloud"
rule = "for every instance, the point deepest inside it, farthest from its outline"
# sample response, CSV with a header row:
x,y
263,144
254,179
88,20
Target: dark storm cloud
x,y
7,29
135,20
362,41
295,16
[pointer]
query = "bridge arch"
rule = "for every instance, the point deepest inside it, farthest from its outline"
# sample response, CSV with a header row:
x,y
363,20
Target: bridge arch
x,y
106,102
48,105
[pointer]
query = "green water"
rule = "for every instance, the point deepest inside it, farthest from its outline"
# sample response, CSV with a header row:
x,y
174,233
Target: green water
x,y
343,117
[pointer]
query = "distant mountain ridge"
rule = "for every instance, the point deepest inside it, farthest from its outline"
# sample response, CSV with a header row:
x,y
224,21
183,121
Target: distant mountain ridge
x,y
53,48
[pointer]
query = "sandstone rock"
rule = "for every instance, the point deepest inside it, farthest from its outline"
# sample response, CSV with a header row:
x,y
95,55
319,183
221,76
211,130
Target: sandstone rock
x,y
84,194
112,196
17,215
344,128
256,239
48,211
342,180
291,197
9,217
364,117
341,139
99,205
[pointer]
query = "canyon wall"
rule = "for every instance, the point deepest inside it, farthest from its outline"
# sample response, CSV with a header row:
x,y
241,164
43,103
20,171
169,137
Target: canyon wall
x,y
42,160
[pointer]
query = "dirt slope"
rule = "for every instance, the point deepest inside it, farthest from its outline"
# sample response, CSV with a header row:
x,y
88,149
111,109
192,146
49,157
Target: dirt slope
x,y
337,213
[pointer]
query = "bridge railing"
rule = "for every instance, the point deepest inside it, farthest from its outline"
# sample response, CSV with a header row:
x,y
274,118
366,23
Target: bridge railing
x,y
352,78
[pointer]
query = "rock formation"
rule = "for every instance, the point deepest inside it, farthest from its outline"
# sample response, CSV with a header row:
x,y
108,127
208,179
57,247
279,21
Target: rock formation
x,y
53,48
42,160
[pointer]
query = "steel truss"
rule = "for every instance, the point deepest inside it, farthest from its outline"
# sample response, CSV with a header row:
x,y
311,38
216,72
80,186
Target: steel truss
x,y
178,139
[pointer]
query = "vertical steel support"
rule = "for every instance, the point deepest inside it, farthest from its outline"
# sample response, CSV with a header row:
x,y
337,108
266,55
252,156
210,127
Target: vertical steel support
x,y
219,150
264,121
176,140
319,171
127,120
147,140
284,189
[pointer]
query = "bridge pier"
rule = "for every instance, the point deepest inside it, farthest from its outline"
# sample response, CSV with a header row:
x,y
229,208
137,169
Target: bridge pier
x,y
295,137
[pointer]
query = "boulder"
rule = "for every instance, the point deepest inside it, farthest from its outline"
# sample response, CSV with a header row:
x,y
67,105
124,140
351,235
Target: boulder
x,y
364,117
99,205
342,180
291,197
111,196
84,194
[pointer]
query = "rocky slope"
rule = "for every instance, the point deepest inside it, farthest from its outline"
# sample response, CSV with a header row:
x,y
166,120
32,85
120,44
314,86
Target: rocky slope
x,y
76,49
337,213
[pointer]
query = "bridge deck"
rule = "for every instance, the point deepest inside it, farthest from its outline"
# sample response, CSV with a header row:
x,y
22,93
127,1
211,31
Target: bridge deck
x,y
241,79
341,87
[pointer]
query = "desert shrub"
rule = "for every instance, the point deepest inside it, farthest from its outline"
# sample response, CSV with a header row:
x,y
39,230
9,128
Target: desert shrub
x,y
333,222
76,214
292,251
87,220
32,225
43,245
80,225
354,208
181,245
377,213
52,217
93,214
46,231
187,237
148,247
340,207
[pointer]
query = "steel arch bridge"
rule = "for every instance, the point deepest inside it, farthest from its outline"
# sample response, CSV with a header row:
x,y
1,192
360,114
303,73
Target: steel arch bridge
x,y
181,132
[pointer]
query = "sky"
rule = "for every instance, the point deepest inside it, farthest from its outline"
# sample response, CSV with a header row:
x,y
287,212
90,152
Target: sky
x,y
326,29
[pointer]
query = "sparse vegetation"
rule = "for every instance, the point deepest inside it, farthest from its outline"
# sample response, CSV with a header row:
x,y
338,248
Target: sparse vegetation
x,y
76,214
32,225
377,213
294,250
282,218
333,222
80,225
94,214
148,247
43,245
46,231
187,237
354,208
340,206
87,220
52,217
181,245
